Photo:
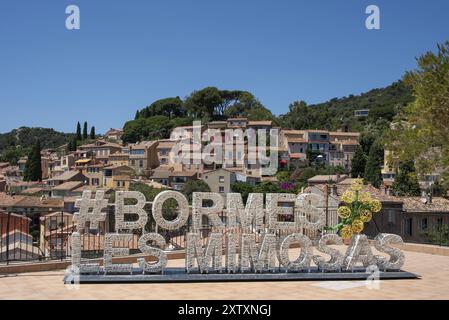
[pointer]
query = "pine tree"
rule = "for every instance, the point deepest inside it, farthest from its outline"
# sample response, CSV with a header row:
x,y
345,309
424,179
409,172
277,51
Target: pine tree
x,y
33,167
374,162
358,163
85,131
92,133
78,132
137,116
406,182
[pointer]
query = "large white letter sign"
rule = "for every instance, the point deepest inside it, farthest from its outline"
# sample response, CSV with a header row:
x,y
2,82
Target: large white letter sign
x,y
111,251
241,238
359,251
250,216
275,211
336,260
90,210
309,207
258,257
76,257
397,257
138,209
305,257
212,253
158,253
183,210
198,211
231,253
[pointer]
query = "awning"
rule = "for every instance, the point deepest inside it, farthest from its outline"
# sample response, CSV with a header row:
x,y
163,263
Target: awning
x,y
82,161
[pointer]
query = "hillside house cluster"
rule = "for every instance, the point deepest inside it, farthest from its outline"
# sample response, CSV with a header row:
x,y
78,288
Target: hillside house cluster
x,y
109,164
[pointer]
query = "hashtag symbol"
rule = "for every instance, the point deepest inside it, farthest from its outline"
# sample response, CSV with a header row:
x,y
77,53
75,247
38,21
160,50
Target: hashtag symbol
x,y
90,210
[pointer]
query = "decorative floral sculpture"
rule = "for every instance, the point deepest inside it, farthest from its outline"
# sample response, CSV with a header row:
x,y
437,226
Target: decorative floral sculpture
x,y
358,209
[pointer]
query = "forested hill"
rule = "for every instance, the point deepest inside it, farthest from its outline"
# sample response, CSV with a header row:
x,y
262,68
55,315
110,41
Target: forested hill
x,y
17,142
383,104
158,119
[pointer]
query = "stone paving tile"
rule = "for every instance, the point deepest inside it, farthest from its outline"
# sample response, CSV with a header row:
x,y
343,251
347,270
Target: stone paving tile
x,y
48,285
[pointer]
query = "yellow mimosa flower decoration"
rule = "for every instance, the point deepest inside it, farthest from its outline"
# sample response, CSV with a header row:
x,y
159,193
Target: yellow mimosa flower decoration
x,y
357,210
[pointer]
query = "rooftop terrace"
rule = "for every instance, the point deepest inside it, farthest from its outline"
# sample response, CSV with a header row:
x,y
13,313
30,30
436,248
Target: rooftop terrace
x,y
434,270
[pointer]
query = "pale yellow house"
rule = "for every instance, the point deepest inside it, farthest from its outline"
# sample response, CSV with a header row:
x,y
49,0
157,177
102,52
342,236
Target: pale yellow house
x,y
117,177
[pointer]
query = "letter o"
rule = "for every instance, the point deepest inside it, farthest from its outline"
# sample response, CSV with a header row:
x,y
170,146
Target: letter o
x,y
183,214
305,257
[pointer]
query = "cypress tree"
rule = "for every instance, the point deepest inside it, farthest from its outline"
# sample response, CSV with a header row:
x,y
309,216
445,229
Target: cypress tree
x,y
85,131
78,132
358,163
374,162
92,133
72,144
33,167
406,182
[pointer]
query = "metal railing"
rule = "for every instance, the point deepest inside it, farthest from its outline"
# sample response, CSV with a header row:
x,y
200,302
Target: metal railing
x,y
35,238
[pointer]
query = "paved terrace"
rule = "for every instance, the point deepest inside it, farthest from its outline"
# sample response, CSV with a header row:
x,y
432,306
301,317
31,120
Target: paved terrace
x,y
434,284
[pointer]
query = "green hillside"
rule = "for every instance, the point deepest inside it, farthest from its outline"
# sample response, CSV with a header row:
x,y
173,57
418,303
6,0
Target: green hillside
x,y
18,142
337,113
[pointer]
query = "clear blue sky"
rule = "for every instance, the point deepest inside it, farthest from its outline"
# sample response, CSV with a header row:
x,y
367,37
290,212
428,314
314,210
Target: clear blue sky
x,y
130,53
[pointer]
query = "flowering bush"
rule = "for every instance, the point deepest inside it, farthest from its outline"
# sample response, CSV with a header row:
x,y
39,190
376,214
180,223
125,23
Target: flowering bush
x,y
287,186
358,209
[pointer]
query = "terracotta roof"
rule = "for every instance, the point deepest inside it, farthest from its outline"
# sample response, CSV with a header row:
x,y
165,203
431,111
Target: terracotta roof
x,y
56,214
91,188
375,193
28,201
112,131
160,174
143,145
183,173
224,169
354,134
32,190
67,186
293,132
418,204
347,181
66,176
24,183
297,155
325,178
260,123
166,144
156,185
9,201
15,215
217,122
346,142
102,144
